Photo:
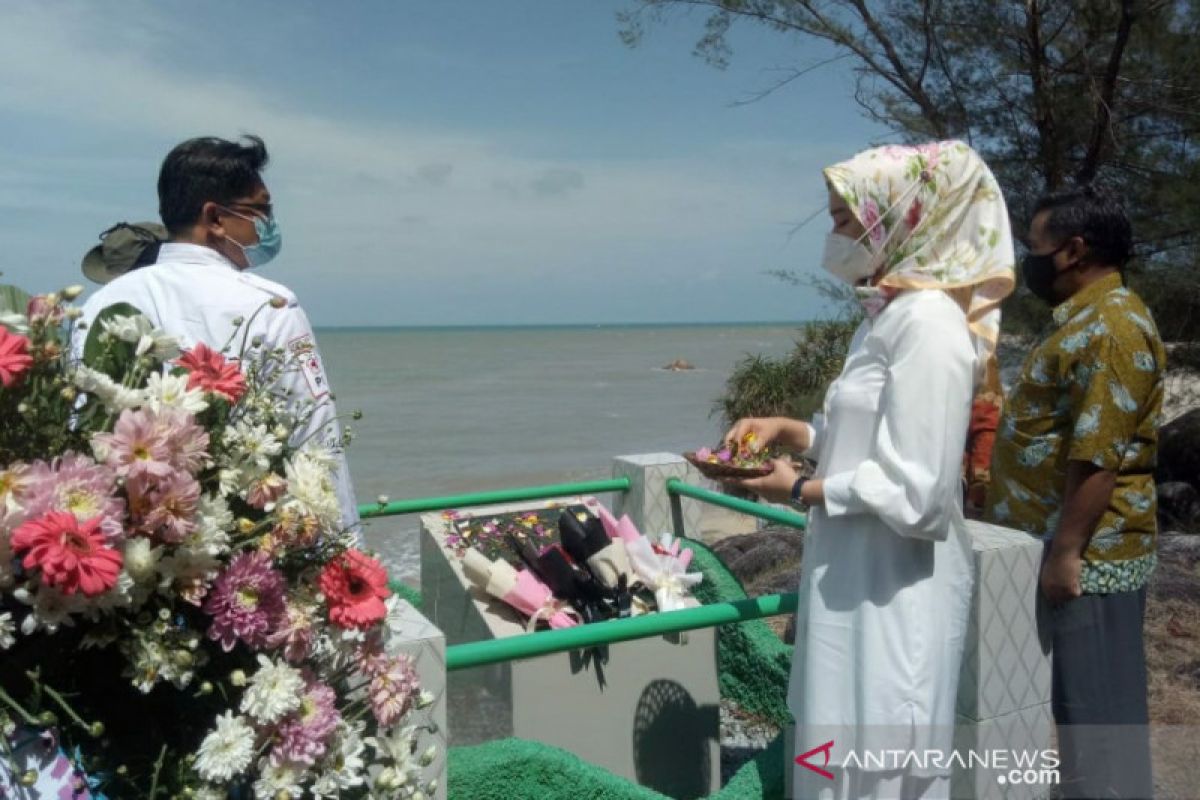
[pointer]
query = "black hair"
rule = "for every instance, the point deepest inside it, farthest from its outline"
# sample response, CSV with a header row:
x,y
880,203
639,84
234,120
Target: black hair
x,y
207,169
1095,214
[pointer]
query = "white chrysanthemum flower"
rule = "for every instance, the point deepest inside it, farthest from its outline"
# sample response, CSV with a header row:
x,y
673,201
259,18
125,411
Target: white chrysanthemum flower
x,y
50,609
345,767
113,395
17,323
311,491
171,391
138,330
274,779
141,559
226,751
8,630
275,691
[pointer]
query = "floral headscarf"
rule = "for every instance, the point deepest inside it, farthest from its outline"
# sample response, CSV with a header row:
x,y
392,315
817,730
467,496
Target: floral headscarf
x,y
936,214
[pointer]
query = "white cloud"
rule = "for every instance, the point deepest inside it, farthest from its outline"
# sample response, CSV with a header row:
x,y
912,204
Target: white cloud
x,y
375,198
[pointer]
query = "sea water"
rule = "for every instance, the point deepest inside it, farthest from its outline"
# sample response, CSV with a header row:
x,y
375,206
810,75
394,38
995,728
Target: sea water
x,y
453,410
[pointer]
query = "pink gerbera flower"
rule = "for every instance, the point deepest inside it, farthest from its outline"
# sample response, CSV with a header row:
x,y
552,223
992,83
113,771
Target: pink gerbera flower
x,y
394,686
137,444
303,736
246,602
71,555
14,357
212,372
75,483
355,586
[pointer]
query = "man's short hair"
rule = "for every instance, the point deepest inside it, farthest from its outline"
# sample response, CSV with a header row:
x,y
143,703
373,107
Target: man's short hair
x,y
207,169
1095,214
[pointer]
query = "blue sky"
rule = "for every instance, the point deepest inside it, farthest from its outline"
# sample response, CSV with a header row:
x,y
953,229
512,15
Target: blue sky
x,y
457,162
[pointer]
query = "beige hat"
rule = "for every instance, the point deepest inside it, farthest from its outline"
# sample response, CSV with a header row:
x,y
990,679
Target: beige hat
x,y
123,247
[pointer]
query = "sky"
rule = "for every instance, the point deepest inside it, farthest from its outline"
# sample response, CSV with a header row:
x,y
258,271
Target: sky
x,y
449,163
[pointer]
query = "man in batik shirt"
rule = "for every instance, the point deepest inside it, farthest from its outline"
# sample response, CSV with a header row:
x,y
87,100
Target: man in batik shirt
x,y
1074,464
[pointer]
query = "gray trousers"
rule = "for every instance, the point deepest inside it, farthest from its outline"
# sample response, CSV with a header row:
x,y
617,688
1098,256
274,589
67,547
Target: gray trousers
x,y
1099,695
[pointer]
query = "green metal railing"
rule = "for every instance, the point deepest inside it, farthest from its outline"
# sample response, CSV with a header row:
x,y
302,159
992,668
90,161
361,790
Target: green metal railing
x,y
423,504
678,488
530,645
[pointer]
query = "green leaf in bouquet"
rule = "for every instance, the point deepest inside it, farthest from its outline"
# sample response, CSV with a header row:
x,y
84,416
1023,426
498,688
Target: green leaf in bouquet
x,y
13,299
112,357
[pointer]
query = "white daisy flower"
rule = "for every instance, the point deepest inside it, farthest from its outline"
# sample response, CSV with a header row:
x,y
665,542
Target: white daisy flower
x,y
275,691
226,751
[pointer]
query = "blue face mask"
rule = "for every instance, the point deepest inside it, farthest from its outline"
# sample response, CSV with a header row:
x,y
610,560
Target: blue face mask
x,y
270,240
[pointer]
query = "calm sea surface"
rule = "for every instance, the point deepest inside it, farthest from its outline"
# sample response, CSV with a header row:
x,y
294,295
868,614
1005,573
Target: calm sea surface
x,y
456,410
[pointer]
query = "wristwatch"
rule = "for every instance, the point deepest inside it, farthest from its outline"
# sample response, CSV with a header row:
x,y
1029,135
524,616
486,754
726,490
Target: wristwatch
x,y
797,490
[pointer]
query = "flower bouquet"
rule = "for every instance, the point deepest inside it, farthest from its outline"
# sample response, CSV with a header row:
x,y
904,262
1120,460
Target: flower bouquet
x,y
181,612
726,463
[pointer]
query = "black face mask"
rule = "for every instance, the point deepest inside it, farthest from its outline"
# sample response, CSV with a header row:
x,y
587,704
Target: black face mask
x,y
1039,273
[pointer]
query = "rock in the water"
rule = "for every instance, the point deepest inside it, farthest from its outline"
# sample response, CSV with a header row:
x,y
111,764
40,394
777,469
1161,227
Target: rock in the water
x,y
1179,450
1178,505
679,365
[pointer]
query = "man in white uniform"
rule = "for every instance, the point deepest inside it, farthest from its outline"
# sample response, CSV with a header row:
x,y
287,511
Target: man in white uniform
x,y
220,225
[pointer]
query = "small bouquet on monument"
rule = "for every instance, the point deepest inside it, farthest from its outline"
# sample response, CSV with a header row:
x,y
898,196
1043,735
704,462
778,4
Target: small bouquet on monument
x,y
181,613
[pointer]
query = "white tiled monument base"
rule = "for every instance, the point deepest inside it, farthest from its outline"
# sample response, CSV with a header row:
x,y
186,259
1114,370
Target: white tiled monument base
x,y
647,710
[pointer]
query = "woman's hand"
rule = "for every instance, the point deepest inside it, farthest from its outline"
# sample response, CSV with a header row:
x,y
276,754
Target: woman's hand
x,y
768,431
776,487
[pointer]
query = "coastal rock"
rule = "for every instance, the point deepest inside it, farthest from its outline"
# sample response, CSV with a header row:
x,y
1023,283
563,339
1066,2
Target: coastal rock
x,y
1179,450
1178,505
679,365
765,562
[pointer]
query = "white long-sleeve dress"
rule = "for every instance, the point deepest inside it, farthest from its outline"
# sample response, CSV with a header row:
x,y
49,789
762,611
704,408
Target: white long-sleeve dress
x,y
886,582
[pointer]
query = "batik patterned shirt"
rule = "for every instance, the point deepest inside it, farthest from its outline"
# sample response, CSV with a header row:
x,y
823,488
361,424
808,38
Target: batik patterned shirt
x,y
1091,391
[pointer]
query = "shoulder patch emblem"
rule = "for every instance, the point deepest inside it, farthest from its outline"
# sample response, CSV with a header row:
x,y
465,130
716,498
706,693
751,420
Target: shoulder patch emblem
x,y
303,352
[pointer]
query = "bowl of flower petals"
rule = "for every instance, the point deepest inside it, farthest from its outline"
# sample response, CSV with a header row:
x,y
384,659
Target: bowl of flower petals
x,y
727,463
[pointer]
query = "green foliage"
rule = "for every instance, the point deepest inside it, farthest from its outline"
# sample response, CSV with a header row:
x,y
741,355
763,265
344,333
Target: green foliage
x,y
793,386
13,299
1049,93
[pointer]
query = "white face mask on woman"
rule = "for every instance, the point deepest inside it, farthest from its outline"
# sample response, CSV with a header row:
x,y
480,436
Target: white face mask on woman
x,y
847,259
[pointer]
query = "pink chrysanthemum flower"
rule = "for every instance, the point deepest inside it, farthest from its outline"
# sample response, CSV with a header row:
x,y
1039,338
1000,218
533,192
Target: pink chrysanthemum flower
x,y
70,554
136,445
303,736
76,483
394,686
246,602
295,632
266,490
173,504
14,357
186,442
210,371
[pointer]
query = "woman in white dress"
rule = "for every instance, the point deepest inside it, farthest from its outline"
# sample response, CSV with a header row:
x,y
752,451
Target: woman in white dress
x,y
923,234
